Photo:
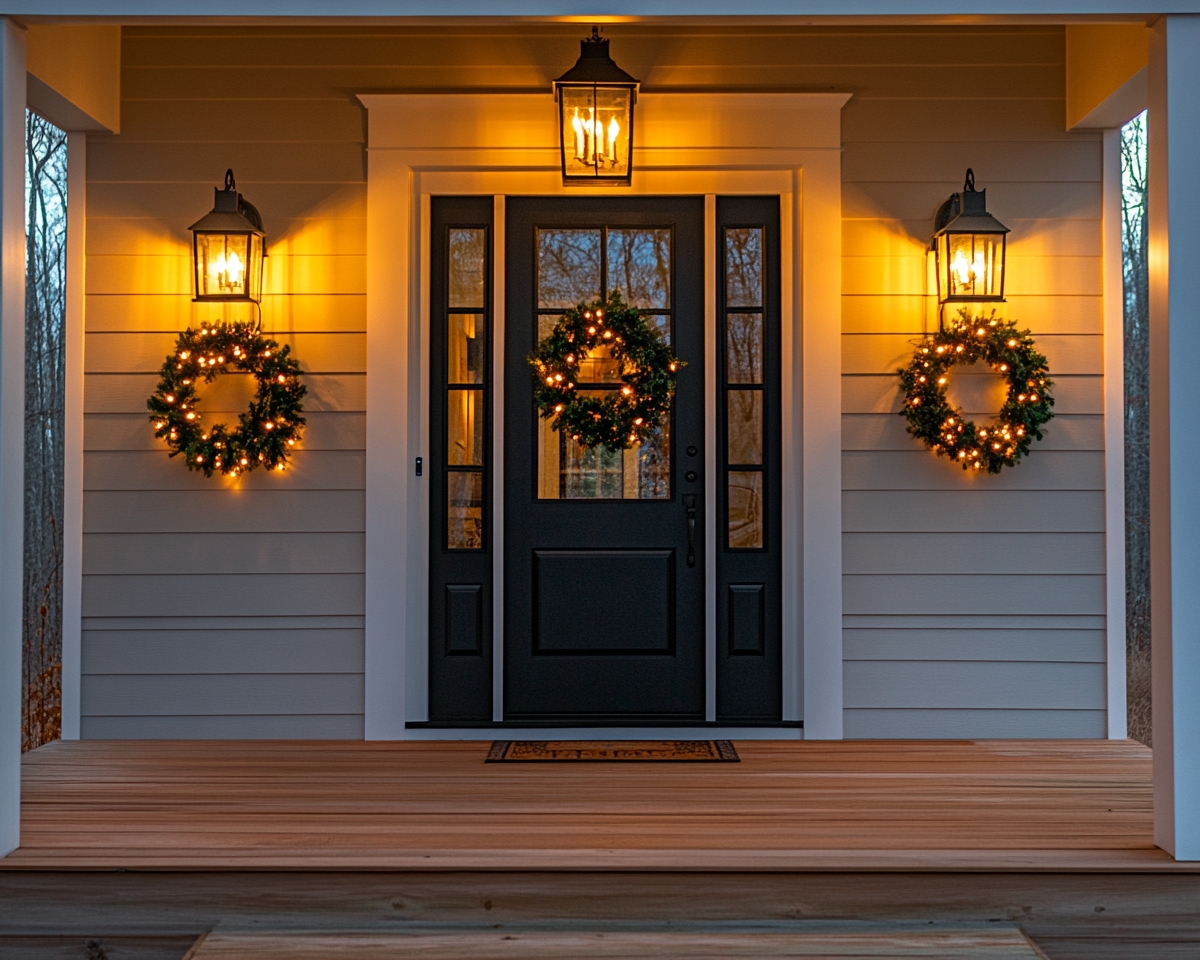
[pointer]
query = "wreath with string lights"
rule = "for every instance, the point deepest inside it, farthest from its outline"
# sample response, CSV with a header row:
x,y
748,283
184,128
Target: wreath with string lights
x,y
941,426
618,419
266,432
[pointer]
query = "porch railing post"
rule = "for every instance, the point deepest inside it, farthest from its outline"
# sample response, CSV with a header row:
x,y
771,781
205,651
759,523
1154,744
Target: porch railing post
x,y
1174,222
12,420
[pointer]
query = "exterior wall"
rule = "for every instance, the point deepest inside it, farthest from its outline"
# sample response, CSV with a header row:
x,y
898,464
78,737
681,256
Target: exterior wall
x,y
223,610
974,605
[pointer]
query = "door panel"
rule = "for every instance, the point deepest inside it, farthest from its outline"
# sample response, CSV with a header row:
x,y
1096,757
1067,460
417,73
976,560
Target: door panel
x,y
604,586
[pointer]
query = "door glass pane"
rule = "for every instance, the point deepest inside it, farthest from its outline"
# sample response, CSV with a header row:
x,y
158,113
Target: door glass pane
x,y
743,347
568,268
593,474
568,472
743,266
745,426
464,527
468,264
639,266
745,510
465,350
464,427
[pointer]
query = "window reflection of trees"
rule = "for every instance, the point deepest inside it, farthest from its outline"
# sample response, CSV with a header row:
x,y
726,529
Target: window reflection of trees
x,y
568,269
45,373
639,266
743,266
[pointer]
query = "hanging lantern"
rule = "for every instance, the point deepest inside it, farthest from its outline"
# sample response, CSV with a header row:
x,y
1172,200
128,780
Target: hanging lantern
x,y
227,248
595,117
970,247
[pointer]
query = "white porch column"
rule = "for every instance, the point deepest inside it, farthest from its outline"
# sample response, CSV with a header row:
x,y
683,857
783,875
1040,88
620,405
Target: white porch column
x,y
12,420
1175,441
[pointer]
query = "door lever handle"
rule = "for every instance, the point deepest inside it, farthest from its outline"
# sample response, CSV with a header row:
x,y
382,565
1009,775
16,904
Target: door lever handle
x,y
689,503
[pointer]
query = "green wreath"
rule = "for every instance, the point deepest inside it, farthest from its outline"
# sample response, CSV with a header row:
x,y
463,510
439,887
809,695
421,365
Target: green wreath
x,y
266,432
620,418
940,425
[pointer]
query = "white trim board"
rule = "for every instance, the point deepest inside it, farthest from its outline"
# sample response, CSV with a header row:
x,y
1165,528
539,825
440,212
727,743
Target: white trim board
x,y
424,145
72,609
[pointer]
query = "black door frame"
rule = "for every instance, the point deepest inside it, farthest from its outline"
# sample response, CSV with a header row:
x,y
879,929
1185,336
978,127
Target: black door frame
x,y
492,645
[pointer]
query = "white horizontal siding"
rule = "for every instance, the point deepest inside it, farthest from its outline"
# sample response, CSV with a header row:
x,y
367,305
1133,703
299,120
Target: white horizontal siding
x,y
974,605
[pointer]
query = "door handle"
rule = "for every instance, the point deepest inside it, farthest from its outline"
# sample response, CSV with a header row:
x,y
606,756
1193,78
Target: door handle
x,y
689,503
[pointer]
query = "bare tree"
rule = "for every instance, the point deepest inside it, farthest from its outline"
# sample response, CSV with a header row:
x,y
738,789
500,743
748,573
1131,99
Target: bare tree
x,y
45,369
1135,247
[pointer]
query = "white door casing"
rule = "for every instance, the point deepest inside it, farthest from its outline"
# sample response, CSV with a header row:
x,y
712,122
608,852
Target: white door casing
x,y
424,145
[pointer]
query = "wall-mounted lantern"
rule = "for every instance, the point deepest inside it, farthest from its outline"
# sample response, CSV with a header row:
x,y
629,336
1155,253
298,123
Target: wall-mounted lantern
x,y
970,247
227,248
595,117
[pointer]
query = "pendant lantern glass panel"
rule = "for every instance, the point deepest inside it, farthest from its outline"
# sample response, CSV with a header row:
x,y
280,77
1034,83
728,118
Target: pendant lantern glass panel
x,y
597,124
229,266
974,266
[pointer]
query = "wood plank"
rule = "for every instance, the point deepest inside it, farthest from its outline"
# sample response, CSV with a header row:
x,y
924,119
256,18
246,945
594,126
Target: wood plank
x,y
1044,594
262,594
157,470
308,153
973,685
128,392
880,393
996,805
114,553
916,315
220,509
231,727
1029,238
882,199
923,470
138,352
983,643
1003,943
963,724
1049,511
973,553
884,431
170,272
310,236
884,353
324,430
204,695
248,649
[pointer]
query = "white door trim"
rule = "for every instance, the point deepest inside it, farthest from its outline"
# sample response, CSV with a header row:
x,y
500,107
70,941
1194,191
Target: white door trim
x,y
423,145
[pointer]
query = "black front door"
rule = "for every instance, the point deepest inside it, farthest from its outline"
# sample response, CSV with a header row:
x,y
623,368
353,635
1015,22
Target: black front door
x,y
603,574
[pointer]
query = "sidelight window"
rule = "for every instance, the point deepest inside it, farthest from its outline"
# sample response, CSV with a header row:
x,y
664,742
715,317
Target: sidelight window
x,y
466,385
743,322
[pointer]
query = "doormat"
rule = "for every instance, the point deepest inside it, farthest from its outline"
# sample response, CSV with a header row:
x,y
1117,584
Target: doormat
x,y
622,751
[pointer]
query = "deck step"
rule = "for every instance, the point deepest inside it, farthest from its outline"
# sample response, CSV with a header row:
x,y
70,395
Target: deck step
x,y
991,943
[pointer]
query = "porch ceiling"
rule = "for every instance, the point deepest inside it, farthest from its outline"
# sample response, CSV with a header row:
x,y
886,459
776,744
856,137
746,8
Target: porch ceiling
x,y
1021,806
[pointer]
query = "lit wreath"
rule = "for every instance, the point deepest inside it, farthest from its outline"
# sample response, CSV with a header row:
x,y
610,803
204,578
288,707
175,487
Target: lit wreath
x,y
621,418
941,426
266,432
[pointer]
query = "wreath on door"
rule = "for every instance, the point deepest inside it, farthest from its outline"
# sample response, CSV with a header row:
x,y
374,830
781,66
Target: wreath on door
x,y
941,426
616,419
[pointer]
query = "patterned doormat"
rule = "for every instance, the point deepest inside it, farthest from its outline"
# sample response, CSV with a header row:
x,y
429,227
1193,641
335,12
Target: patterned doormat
x,y
626,751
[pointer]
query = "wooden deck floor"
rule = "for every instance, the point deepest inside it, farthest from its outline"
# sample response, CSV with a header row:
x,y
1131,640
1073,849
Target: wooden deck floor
x,y
849,806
